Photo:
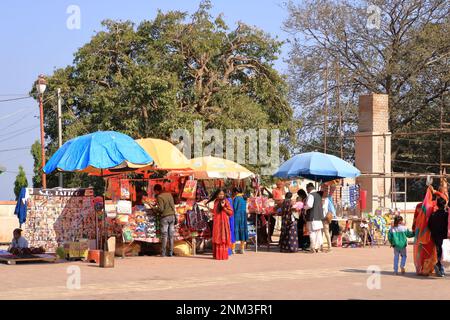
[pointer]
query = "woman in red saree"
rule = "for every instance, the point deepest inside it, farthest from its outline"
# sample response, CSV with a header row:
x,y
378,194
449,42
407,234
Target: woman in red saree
x,y
221,237
425,256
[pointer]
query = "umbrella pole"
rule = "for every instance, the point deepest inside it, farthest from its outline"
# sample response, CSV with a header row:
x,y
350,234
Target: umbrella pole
x,y
97,244
104,214
256,236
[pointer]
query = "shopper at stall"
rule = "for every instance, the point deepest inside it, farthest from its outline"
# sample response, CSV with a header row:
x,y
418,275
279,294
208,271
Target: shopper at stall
x,y
166,209
221,237
398,238
240,218
288,237
278,194
438,225
314,216
303,238
140,194
18,242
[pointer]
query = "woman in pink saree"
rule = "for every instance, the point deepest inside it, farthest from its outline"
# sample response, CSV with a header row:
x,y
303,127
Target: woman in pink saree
x,y
425,256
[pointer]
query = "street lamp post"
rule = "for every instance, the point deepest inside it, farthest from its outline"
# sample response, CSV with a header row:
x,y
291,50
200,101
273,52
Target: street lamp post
x,y
41,85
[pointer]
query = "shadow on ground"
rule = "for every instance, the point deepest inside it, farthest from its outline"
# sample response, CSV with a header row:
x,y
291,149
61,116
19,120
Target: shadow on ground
x,y
411,275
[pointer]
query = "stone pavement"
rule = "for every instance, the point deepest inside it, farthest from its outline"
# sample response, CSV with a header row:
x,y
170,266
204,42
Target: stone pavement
x,y
341,274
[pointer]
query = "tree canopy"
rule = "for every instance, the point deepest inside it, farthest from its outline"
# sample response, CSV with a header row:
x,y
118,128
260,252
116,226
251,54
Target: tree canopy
x,y
147,79
336,55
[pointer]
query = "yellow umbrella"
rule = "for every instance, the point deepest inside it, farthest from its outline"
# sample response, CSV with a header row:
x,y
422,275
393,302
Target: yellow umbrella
x,y
214,167
165,155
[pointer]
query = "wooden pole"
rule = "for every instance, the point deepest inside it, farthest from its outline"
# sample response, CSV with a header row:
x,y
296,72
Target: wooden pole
x,y
338,105
325,122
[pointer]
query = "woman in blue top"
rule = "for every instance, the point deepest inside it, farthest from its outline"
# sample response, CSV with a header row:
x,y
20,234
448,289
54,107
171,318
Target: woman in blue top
x,y
233,240
240,218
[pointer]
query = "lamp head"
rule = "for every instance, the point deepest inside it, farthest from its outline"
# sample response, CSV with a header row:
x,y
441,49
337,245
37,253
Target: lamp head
x,y
41,84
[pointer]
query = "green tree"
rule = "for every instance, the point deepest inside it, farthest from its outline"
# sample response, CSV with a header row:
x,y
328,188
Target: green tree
x,y
36,153
21,181
148,79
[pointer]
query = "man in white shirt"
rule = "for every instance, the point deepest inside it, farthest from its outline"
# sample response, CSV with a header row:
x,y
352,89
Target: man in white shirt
x,y
18,242
310,198
314,216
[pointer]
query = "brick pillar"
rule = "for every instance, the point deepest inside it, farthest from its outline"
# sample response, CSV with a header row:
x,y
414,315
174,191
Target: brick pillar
x,y
373,149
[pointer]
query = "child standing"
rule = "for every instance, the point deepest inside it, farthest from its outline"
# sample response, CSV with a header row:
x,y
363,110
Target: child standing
x,y
398,235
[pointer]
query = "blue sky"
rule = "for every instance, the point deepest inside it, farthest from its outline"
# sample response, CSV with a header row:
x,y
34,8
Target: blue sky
x,y
35,40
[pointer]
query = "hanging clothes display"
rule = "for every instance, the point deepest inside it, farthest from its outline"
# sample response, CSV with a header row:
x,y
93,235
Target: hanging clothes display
x,y
112,189
337,196
353,196
345,197
125,189
202,194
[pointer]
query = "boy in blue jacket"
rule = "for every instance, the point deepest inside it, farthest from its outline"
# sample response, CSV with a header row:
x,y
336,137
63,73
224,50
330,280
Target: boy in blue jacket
x,y
398,238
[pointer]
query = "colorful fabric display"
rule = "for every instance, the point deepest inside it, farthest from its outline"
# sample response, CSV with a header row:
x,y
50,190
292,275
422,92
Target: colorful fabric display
x,y
197,219
353,196
337,196
112,189
251,230
345,197
259,205
201,192
125,189
380,224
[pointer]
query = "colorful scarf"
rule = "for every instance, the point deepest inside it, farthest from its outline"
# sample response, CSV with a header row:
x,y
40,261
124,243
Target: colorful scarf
x,y
425,257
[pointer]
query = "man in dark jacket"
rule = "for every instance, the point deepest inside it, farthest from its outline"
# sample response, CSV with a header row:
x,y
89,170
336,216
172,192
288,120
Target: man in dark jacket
x,y
166,210
438,225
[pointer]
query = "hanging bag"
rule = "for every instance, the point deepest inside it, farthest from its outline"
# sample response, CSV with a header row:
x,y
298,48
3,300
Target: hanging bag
x,y
190,188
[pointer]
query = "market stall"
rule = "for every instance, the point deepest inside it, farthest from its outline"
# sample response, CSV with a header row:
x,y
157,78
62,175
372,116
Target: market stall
x,y
325,169
96,153
50,220
132,220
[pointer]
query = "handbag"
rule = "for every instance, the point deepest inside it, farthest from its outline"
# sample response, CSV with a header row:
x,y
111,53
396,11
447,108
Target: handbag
x,y
329,217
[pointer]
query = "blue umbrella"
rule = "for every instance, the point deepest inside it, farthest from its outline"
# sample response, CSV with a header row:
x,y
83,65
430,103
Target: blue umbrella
x,y
316,166
97,151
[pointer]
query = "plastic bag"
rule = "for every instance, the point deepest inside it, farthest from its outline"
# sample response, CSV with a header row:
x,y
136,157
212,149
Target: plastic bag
x,y
446,252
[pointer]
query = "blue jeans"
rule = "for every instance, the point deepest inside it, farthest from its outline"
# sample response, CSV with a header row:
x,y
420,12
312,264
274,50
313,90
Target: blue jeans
x,y
167,232
402,253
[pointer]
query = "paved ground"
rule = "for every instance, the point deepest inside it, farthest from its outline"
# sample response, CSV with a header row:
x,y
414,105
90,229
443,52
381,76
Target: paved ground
x,y
341,274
